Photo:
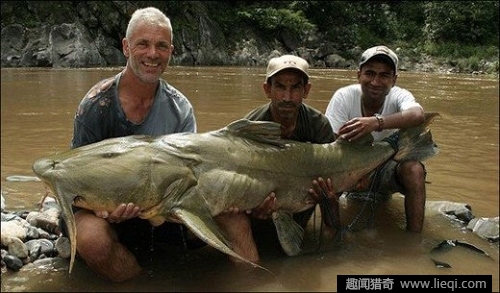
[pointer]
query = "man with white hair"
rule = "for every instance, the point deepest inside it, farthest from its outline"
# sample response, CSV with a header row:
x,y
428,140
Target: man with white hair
x,y
135,101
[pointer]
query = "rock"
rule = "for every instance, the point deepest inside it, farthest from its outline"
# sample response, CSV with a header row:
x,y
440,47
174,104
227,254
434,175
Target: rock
x,y
13,262
63,247
15,246
46,235
32,233
12,229
49,262
486,228
48,221
454,210
10,217
38,247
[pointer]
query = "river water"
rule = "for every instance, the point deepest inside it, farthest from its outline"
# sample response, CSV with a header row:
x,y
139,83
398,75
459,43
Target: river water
x,y
36,120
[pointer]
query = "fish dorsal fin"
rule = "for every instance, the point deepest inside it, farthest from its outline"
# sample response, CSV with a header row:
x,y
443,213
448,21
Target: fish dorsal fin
x,y
260,131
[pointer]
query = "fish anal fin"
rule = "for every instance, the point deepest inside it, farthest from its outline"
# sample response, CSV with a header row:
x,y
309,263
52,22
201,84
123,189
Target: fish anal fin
x,y
290,233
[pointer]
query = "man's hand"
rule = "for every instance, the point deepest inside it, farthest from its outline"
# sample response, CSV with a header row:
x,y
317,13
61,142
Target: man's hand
x,y
358,127
324,195
265,209
121,213
321,187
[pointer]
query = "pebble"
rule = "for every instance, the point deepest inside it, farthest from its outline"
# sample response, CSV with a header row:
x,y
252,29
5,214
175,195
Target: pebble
x,y
13,262
31,236
486,228
16,247
34,237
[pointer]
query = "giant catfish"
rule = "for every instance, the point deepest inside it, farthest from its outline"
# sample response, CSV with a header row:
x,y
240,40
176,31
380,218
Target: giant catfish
x,y
193,177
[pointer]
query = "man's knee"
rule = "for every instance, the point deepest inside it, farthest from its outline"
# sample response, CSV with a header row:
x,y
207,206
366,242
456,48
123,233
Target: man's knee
x,y
414,170
94,235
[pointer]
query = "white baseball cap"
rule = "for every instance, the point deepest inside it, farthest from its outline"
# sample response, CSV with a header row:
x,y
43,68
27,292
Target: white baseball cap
x,y
380,51
278,64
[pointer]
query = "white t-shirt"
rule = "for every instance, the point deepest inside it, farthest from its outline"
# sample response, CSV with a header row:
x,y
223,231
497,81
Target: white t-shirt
x,y
346,105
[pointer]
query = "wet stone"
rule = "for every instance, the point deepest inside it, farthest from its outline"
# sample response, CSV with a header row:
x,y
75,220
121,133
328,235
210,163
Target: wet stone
x,y
34,252
44,246
12,262
48,222
46,235
486,228
12,229
32,233
63,247
17,248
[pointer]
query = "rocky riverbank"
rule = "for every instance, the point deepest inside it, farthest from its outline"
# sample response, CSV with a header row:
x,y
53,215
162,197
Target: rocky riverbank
x,y
33,238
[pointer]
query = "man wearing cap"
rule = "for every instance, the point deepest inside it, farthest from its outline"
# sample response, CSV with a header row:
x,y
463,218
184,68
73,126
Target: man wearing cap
x,y
286,85
376,105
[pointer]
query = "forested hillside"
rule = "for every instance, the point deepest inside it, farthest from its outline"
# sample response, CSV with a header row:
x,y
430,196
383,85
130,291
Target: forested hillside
x,y
463,34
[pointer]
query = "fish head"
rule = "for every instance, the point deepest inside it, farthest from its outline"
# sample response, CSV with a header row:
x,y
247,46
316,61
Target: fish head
x,y
102,175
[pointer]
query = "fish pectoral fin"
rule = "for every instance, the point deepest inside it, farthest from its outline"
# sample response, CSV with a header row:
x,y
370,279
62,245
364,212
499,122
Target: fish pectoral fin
x,y
69,218
204,226
290,233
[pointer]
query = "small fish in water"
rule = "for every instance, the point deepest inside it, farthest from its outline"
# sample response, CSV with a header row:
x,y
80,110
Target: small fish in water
x,y
470,247
440,264
447,245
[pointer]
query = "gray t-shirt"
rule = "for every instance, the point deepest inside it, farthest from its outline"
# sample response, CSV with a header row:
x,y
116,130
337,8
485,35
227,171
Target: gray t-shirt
x,y
100,115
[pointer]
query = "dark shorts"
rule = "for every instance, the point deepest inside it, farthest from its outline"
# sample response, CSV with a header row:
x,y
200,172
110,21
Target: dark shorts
x,y
383,183
139,233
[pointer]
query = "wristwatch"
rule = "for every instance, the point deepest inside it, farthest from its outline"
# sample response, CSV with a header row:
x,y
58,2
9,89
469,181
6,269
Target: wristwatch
x,y
380,120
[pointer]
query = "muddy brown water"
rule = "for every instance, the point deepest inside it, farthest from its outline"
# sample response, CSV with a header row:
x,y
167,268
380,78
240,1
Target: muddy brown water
x,y
36,120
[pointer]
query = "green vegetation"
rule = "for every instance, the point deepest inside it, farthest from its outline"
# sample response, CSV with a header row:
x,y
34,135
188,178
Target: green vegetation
x,y
445,30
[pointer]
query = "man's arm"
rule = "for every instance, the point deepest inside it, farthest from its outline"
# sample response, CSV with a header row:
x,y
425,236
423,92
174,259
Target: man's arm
x,y
361,126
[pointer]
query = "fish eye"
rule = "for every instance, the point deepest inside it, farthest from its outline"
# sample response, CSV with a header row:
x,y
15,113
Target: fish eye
x,y
109,155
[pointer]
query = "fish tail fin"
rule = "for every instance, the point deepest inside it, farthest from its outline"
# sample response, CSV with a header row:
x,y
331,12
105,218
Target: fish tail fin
x,y
415,143
290,233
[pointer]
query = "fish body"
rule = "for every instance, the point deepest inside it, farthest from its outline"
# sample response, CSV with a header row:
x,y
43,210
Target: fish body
x,y
192,177
448,244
